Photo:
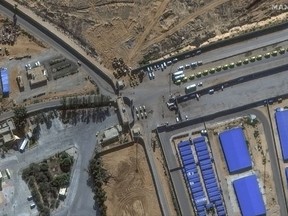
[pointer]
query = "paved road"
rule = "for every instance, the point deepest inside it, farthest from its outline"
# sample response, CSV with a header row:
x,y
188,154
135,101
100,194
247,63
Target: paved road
x,y
153,96
238,48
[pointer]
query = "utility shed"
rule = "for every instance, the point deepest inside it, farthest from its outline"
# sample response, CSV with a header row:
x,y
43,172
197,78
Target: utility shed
x,y
249,197
235,150
282,127
5,82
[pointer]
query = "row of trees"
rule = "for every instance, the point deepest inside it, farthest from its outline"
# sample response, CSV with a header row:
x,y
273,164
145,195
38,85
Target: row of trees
x,y
85,101
99,176
44,186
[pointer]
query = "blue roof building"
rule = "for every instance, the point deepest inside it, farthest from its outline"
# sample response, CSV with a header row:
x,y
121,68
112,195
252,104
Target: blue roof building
x,y
249,197
5,82
235,150
282,127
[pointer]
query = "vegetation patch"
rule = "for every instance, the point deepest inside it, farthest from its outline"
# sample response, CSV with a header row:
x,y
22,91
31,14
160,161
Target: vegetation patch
x,y
45,180
99,176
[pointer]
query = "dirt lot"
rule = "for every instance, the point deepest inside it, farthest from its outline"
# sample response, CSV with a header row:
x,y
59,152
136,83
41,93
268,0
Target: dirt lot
x,y
130,192
24,44
259,154
150,29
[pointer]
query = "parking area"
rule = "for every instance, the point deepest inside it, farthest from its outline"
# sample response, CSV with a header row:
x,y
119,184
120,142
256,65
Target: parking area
x,y
36,78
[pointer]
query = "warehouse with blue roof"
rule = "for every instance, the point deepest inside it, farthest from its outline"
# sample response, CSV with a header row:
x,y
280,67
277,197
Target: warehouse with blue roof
x,y
249,196
235,150
4,82
282,127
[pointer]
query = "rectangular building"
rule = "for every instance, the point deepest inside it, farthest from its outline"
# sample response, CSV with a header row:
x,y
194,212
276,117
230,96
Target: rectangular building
x,y
249,197
282,127
235,150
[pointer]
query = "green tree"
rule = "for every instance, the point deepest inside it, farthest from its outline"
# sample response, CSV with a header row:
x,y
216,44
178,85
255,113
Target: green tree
x,y
20,115
65,164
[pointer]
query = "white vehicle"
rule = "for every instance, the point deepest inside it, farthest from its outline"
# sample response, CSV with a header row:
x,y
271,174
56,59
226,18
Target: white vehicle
x,y
187,66
23,145
199,63
211,91
148,69
153,75
200,84
145,114
150,75
142,115
180,77
181,68
79,63
37,64
177,119
164,64
140,108
193,64
29,198
186,117
138,117
136,110
162,67
169,63
32,205
144,108
8,173
28,67
177,73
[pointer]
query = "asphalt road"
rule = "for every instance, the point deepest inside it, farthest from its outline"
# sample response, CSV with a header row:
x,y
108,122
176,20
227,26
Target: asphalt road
x,y
153,96
237,48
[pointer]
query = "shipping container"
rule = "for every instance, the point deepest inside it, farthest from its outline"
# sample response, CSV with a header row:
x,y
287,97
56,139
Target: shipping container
x,y
184,148
187,152
200,148
188,162
200,139
184,143
210,185
207,177
206,167
203,158
215,198
190,166
207,172
195,184
202,153
204,162
195,190
187,157
222,213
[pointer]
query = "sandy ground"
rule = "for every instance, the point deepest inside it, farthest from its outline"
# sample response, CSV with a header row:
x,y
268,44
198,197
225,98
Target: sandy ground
x,y
277,141
129,192
163,175
137,29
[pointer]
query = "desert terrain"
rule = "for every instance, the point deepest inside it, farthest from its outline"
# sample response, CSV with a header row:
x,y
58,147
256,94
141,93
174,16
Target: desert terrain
x,y
130,190
139,31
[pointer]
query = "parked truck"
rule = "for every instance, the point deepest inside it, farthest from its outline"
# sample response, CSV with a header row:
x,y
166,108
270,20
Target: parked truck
x,y
191,88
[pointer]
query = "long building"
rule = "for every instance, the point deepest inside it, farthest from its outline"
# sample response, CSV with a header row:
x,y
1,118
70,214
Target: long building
x,y
5,86
235,150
